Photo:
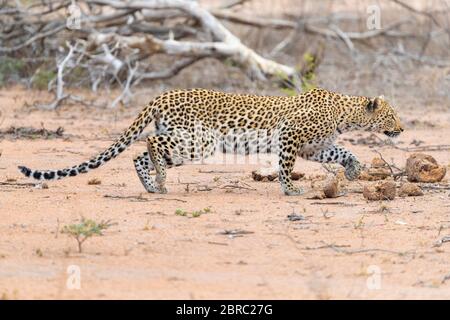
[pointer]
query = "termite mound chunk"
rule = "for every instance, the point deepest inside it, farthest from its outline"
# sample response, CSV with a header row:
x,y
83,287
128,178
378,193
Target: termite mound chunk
x,y
422,167
385,190
409,189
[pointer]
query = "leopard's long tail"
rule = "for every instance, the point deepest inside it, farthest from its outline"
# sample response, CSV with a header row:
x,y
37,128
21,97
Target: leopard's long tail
x,y
126,139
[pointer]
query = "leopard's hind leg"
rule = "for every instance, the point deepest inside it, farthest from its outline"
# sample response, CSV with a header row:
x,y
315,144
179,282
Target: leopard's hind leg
x,y
144,166
159,147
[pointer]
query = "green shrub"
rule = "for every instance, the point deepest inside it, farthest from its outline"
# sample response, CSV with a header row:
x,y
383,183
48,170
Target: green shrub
x,y
84,230
193,214
42,77
10,67
306,79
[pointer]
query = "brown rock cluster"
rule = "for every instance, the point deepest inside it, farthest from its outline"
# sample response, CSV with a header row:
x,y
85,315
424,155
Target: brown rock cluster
x,y
331,188
410,190
257,175
326,189
424,168
383,190
378,170
419,168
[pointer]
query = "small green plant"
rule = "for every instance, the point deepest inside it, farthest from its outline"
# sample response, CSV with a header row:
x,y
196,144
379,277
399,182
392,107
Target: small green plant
x,y
360,223
77,74
6,296
193,214
42,77
308,74
39,252
147,227
181,212
10,67
305,80
85,229
207,210
230,62
196,214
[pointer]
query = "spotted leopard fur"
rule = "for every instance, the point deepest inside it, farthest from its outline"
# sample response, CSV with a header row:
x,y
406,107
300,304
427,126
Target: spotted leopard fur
x,y
305,125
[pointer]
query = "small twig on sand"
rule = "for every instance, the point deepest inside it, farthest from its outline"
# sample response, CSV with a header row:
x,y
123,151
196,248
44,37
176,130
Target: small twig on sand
x,y
218,243
217,171
236,186
442,241
235,232
447,277
141,199
434,187
437,147
22,184
339,248
385,162
204,188
57,228
335,203
391,167
295,217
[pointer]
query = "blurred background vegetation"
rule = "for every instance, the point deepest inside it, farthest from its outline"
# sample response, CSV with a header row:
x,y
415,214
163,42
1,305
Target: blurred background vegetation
x,y
326,42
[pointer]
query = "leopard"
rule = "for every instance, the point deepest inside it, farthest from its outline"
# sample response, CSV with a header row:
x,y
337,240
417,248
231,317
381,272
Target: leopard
x,y
193,124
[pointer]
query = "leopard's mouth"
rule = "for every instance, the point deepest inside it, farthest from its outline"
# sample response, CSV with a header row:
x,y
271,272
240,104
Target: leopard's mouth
x,y
392,134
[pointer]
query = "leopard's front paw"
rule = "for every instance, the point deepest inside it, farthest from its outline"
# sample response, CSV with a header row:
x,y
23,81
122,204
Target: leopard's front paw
x,y
353,170
162,189
294,191
152,188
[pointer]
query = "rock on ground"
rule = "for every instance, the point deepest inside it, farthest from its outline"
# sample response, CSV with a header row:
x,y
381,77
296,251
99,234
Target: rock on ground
x,y
421,167
385,190
378,170
410,190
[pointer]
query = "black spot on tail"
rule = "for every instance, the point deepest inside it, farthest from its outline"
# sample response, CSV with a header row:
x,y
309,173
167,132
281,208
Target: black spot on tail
x,y
25,171
49,175
94,165
61,173
37,175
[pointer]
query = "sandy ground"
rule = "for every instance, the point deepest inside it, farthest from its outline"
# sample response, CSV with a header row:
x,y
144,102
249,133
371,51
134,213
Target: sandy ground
x,y
343,248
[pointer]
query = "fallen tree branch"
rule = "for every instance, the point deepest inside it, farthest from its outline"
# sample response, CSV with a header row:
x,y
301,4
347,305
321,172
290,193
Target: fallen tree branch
x,y
113,36
225,44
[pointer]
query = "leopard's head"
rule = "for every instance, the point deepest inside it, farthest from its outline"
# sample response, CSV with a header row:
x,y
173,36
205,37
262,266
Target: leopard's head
x,y
381,117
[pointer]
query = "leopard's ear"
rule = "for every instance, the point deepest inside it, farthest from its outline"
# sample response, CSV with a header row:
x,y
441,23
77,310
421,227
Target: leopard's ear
x,y
373,104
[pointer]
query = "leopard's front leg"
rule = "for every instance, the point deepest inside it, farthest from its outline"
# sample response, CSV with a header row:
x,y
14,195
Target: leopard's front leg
x,y
338,154
287,153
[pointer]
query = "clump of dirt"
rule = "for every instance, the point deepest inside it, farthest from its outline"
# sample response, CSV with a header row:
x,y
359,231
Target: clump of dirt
x,y
384,190
421,167
31,133
94,181
379,170
330,188
257,175
409,189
